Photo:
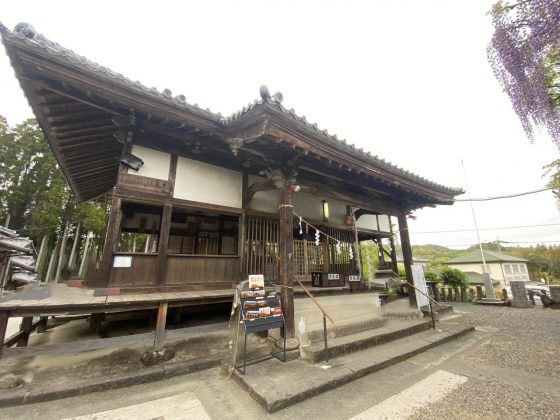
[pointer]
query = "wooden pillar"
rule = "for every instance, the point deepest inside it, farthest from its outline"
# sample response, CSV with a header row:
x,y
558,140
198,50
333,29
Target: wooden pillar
x,y
407,255
4,316
111,238
241,247
394,264
25,326
286,245
160,326
163,240
42,327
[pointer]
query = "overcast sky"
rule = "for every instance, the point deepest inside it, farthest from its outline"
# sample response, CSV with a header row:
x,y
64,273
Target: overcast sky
x,y
407,80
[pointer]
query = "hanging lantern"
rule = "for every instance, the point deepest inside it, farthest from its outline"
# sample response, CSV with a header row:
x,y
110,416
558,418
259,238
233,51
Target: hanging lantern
x,y
317,237
350,252
338,250
300,228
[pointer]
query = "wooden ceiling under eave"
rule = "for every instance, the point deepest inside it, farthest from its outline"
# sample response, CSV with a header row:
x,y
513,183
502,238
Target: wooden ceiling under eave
x,y
84,124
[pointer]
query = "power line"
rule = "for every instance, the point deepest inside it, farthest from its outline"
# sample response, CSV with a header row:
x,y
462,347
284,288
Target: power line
x,y
504,196
493,228
508,242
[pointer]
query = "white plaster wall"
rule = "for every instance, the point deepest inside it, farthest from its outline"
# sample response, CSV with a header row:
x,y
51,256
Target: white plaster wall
x,y
494,269
156,163
308,207
367,221
265,201
384,223
198,181
337,212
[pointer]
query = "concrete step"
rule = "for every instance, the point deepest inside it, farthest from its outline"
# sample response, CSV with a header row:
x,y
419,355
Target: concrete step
x,y
276,385
394,329
315,331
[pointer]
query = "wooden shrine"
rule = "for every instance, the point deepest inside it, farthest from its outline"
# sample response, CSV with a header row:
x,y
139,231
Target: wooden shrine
x,y
199,201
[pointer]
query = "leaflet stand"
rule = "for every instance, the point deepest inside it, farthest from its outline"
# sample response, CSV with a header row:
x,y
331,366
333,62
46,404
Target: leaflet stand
x,y
260,311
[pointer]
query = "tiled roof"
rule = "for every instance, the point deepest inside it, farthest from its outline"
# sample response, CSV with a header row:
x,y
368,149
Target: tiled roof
x,y
26,33
474,256
334,140
30,37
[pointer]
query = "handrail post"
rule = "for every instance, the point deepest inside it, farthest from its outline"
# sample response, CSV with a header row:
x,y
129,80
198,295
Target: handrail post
x,y
432,313
325,337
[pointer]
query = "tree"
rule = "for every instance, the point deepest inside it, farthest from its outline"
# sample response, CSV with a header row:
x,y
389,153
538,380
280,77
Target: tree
x,y
525,56
453,277
34,194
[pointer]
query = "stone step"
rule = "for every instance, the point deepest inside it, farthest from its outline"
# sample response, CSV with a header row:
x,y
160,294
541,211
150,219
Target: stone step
x,y
394,329
315,331
276,385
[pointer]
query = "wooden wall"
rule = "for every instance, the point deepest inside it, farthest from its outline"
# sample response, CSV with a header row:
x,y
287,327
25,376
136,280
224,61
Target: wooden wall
x,y
202,270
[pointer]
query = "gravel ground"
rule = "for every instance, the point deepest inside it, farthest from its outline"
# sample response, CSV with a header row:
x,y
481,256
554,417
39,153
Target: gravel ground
x,y
478,399
523,341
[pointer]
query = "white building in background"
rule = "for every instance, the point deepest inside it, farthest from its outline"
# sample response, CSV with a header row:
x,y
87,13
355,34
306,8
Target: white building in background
x,y
501,267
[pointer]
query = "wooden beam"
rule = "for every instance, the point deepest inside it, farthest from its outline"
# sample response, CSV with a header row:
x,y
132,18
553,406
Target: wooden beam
x,y
254,188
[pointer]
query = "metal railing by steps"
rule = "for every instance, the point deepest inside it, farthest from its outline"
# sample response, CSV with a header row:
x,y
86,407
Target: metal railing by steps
x,y
325,316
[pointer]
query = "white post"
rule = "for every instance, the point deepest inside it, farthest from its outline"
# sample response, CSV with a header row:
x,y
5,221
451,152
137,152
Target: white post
x,y
85,253
61,252
7,224
41,255
487,280
51,263
72,260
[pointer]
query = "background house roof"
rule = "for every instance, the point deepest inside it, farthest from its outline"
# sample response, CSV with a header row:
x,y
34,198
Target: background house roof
x,y
474,256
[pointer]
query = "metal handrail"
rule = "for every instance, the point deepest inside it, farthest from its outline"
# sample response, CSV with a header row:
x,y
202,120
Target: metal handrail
x,y
430,300
325,316
315,301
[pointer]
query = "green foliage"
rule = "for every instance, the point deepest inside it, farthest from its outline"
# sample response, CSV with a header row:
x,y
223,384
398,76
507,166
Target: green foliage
x,y
402,273
431,276
92,217
33,190
432,252
453,277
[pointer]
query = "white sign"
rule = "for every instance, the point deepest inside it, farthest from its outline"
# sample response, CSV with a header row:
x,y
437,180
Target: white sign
x,y
420,283
333,276
122,261
256,281
353,278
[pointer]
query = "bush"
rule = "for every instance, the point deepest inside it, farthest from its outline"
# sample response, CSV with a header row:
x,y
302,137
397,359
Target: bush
x,y
431,276
453,277
402,273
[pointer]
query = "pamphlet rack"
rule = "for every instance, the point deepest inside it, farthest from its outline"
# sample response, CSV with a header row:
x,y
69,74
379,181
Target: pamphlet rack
x,y
260,311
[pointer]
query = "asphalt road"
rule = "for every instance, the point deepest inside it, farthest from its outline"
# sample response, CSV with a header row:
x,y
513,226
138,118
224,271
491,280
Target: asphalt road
x,y
508,368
